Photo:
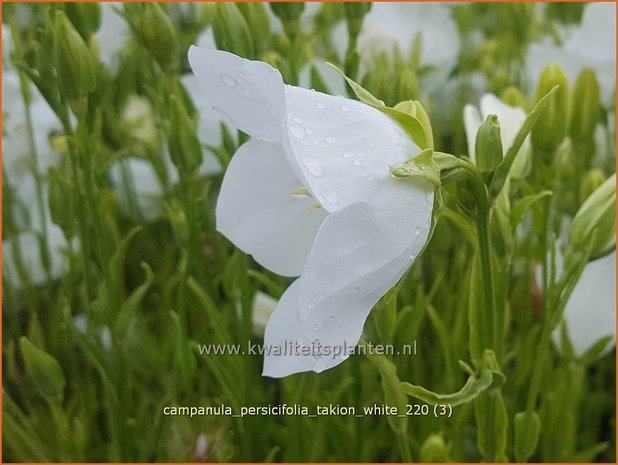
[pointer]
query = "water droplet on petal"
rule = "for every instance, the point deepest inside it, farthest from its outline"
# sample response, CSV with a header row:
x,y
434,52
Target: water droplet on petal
x,y
313,165
309,131
228,80
318,366
357,162
345,108
356,289
348,154
241,75
331,317
412,256
315,327
331,139
298,120
418,230
321,106
297,132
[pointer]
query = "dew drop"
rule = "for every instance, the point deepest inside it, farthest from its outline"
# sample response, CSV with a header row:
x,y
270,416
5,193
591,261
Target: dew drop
x,y
228,80
331,139
315,327
241,75
321,106
331,317
309,131
313,165
357,163
348,154
418,230
412,256
345,108
298,120
297,132
356,289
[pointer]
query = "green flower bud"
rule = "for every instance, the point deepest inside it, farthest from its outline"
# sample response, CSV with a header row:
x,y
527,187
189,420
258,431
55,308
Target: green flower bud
x,y
289,15
157,34
514,97
183,143
551,125
73,60
85,16
231,30
256,16
408,85
61,201
597,215
488,145
434,450
416,109
593,180
178,218
354,14
585,107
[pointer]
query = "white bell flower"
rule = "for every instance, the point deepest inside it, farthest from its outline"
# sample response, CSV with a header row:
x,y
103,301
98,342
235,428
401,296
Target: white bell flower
x,y
511,119
311,195
590,313
592,45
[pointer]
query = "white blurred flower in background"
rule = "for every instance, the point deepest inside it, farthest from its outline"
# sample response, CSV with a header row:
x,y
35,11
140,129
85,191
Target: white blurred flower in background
x,y
592,44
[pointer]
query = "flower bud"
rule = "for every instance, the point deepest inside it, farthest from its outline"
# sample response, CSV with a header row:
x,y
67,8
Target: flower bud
x,y
354,14
513,96
585,106
593,179
488,145
183,143
416,109
231,30
85,16
73,60
551,125
434,450
597,215
256,17
289,15
159,36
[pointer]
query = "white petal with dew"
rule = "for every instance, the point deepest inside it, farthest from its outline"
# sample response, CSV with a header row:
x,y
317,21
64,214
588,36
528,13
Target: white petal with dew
x,y
344,148
249,93
259,211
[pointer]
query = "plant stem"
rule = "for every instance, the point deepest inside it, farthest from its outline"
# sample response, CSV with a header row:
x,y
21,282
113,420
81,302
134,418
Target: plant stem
x,y
404,447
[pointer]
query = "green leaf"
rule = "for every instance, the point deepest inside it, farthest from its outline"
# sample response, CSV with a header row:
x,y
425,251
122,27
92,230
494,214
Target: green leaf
x,y
527,429
410,124
470,391
393,394
503,169
44,371
130,306
522,205
422,165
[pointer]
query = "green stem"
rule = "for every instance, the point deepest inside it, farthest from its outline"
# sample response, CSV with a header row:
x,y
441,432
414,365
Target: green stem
x,y
404,447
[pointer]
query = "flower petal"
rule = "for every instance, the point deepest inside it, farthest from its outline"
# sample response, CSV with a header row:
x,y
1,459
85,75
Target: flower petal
x,y
282,355
258,210
591,310
359,254
472,122
344,149
249,93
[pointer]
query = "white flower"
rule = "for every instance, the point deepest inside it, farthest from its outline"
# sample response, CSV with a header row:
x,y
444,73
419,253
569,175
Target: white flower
x,y
593,44
311,194
30,218
590,313
511,120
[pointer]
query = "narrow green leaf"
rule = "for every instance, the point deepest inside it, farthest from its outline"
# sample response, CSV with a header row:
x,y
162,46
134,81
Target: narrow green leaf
x,y
503,169
470,391
522,205
44,371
